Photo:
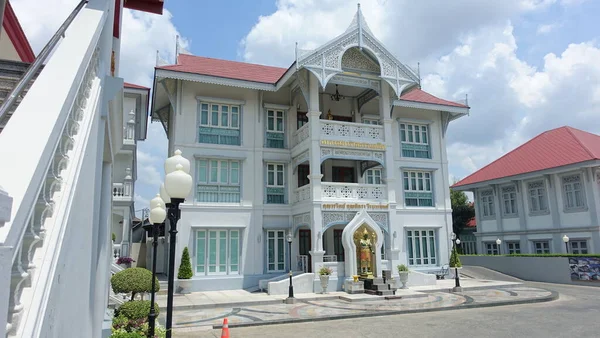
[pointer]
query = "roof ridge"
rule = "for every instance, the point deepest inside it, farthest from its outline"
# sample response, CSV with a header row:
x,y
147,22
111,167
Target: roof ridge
x,y
587,150
242,62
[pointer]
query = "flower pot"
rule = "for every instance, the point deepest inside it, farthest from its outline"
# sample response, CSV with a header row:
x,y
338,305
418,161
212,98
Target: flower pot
x,y
184,286
324,282
125,265
403,278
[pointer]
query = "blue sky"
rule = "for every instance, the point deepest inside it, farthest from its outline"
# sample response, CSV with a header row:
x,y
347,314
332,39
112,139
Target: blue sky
x,y
527,65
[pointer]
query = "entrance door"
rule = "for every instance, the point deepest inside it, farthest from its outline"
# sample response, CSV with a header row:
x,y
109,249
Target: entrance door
x,y
305,247
338,248
343,174
275,251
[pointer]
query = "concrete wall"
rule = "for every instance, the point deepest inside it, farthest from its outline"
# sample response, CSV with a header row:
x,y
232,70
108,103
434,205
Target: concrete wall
x,y
539,269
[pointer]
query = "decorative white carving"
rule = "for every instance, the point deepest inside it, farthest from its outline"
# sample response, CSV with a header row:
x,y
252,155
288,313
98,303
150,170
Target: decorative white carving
x,y
302,194
353,191
354,60
356,82
352,131
377,156
34,234
301,219
572,178
336,217
301,134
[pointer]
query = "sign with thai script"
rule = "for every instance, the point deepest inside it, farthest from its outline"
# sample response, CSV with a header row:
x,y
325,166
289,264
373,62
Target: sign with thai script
x,y
355,206
352,144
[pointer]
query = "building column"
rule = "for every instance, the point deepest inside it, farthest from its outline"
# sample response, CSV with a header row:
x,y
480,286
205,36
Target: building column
x,y
592,195
315,176
477,205
126,233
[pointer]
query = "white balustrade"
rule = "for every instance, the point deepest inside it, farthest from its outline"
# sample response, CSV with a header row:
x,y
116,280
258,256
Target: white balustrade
x,y
303,263
302,194
301,135
124,191
330,258
353,191
44,179
116,251
351,131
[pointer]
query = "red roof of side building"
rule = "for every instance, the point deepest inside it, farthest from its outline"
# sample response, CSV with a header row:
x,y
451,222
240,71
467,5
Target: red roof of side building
x,y
15,33
267,74
472,223
227,69
418,95
551,149
134,86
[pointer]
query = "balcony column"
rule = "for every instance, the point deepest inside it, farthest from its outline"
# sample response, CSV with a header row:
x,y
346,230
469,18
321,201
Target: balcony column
x,y
128,183
315,176
126,233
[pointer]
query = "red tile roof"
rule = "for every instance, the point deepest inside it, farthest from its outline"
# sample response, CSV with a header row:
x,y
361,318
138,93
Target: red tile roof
x,y
551,149
472,223
418,95
134,86
227,69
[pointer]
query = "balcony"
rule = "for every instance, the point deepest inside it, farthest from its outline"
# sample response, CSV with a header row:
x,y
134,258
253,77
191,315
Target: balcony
x,y
302,194
350,131
129,130
353,191
123,191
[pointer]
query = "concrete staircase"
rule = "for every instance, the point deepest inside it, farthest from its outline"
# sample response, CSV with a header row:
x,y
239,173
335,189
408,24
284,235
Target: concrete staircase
x,y
377,286
10,74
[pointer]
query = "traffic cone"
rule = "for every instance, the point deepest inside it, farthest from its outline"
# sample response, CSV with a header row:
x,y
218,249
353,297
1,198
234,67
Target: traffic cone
x,y
225,331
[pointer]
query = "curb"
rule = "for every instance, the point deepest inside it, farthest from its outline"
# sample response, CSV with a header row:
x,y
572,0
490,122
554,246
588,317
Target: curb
x,y
553,296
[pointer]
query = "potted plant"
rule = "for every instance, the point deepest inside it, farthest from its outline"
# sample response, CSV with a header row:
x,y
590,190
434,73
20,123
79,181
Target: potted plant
x,y
185,272
403,272
125,262
324,274
114,237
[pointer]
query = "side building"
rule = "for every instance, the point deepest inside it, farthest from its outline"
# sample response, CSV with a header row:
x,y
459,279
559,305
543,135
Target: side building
x,y
341,145
536,197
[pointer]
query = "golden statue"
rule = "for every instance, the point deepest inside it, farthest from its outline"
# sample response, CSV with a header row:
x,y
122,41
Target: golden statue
x,y
366,268
329,115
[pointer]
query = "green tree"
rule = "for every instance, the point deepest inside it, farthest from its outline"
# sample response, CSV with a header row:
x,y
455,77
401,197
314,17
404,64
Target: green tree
x,y
185,268
454,259
462,210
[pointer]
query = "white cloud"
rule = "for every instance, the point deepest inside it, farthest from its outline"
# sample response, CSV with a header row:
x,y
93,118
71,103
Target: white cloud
x,y
547,28
142,34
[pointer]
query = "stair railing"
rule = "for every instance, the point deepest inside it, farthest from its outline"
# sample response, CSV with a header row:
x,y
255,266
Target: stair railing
x,y
39,61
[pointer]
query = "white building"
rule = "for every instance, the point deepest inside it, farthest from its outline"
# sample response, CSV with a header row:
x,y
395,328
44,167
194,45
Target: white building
x,y
65,145
342,138
533,196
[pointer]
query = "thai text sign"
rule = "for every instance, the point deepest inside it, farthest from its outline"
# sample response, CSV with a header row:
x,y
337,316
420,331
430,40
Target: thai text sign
x,y
352,144
354,206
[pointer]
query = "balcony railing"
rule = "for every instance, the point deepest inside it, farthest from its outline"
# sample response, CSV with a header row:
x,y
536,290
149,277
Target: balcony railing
x,y
351,131
124,191
302,194
353,191
301,135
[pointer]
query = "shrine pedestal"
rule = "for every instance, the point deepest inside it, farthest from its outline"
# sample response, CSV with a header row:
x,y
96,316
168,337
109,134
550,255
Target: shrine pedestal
x,y
353,287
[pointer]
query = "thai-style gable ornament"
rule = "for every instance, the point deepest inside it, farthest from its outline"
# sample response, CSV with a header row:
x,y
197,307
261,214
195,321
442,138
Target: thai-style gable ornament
x,y
370,55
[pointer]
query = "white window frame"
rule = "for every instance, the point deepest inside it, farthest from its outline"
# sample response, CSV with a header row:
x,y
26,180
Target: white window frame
x,y
488,205
404,127
275,118
577,247
275,171
220,112
372,121
509,194
416,234
538,197
209,167
542,249
568,184
228,250
426,177
276,238
513,247
374,174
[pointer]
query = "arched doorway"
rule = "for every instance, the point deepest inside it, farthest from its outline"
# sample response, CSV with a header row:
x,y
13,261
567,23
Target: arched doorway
x,y
361,238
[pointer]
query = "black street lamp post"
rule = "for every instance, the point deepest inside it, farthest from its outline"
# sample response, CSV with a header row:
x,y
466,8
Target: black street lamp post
x,y
290,299
177,186
455,241
156,219
566,240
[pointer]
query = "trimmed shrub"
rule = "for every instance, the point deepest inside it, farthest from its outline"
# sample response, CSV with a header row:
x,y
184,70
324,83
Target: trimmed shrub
x,y
185,268
134,280
114,237
136,309
541,255
454,259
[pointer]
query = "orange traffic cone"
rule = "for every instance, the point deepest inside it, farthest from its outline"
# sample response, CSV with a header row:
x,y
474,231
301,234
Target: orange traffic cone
x,y
225,331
